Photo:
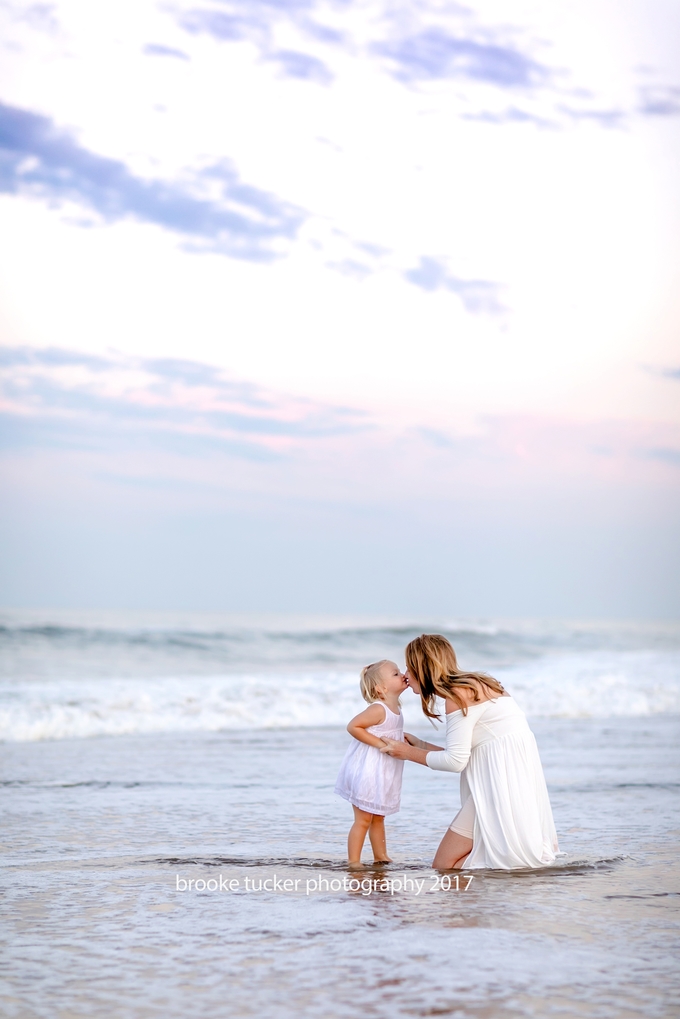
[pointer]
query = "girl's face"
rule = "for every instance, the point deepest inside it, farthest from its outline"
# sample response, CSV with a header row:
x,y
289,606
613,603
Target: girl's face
x,y
391,679
412,681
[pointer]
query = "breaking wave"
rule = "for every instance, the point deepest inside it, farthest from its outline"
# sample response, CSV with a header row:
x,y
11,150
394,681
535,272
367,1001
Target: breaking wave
x,y
63,680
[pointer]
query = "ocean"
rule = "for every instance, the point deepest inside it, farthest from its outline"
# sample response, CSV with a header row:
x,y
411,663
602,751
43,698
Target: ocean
x,y
171,844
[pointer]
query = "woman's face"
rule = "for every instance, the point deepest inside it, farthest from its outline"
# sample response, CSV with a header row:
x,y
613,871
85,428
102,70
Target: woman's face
x,y
412,682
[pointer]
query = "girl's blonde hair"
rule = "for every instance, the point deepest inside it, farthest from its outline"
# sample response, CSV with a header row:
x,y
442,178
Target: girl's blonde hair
x,y
432,661
370,677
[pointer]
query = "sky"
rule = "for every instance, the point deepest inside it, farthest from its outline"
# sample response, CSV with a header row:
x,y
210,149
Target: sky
x,y
341,306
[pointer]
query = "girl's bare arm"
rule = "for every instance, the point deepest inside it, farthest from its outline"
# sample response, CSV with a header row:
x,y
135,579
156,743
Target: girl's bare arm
x,y
373,715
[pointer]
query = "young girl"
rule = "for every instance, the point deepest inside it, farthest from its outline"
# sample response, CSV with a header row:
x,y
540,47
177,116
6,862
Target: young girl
x,y
371,781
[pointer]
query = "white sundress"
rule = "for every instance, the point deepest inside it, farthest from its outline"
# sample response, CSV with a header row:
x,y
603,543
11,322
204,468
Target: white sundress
x,y
495,751
369,779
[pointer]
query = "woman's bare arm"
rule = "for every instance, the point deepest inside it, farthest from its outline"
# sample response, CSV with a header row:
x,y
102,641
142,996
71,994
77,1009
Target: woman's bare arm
x,y
420,743
404,751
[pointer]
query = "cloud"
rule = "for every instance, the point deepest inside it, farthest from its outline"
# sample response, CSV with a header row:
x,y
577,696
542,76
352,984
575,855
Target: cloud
x,y
661,373
20,433
40,17
153,49
254,21
63,397
438,439
512,115
427,52
349,267
659,101
144,420
195,373
323,33
225,27
301,65
52,357
478,296
407,45
376,250
605,118
434,54
669,456
39,160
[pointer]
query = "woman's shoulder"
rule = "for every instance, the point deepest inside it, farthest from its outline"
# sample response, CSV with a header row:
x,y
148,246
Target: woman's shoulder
x,y
506,703
472,709
476,707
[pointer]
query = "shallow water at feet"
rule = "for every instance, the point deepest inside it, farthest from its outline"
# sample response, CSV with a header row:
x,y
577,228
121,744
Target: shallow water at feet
x,y
102,837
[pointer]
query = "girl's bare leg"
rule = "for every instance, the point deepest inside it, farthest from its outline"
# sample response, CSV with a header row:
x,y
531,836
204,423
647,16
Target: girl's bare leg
x,y
357,835
452,851
376,834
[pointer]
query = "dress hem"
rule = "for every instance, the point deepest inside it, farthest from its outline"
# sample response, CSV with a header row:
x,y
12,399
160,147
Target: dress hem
x,y
370,808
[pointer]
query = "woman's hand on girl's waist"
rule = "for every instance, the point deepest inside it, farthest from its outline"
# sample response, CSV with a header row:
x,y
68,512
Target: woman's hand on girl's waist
x,y
403,751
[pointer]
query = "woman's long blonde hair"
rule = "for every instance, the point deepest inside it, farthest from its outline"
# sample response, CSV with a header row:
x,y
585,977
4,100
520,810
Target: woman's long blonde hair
x,y
432,661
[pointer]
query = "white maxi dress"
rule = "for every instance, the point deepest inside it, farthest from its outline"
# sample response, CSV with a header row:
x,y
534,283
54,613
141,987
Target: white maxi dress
x,y
495,752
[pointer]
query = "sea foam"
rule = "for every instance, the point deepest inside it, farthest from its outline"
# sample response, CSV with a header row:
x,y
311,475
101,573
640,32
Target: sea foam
x,y
596,684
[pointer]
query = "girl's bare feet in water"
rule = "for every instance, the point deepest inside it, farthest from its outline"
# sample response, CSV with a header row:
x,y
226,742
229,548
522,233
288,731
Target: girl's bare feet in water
x,y
374,826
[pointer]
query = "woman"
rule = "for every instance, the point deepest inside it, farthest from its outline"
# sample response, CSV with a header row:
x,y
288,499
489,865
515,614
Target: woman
x,y
505,821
